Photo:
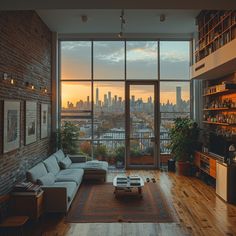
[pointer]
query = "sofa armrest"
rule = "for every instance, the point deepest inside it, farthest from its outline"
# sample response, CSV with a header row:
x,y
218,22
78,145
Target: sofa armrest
x,y
78,158
55,199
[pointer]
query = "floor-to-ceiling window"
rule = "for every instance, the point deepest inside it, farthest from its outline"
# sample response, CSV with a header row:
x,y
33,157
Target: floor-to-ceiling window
x,y
94,77
174,86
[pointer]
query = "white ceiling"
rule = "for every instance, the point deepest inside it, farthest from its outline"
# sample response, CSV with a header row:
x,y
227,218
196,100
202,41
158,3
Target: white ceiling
x,y
108,21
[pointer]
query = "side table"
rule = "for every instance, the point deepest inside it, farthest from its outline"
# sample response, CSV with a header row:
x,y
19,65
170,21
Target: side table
x,y
25,203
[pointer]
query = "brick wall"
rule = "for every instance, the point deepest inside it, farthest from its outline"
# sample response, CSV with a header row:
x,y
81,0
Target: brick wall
x,y
25,54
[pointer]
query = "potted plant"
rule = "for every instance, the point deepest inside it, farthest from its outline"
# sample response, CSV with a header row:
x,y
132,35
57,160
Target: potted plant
x,y
100,152
120,156
183,142
68,138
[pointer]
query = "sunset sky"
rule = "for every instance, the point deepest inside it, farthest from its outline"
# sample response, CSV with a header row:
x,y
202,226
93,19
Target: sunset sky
x,y
109,64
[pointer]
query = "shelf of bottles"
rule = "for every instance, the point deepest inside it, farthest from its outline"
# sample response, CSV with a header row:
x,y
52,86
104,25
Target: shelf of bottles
x,y
220,110
215,29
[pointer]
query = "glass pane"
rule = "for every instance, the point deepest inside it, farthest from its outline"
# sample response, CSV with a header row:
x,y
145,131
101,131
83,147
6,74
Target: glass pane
x,y
174,60
109,106
112,151
141,60
141,152
75,60
141,111
109,60
175,96
141,125
76,97
174,102
85,148
84,126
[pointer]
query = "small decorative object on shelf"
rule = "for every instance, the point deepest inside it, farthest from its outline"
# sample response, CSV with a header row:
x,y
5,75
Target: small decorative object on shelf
x,y
220,102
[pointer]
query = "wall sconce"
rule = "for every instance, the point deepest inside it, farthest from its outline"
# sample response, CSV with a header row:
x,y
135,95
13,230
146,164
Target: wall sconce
x,y
29,85
7,77
44,89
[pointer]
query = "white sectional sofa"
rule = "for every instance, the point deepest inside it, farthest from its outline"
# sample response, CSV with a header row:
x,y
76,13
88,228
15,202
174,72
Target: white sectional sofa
x,y
60,178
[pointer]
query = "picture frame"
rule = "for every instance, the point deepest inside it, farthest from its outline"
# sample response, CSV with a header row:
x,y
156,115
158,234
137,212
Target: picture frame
x,y
44,121
30,122
11,124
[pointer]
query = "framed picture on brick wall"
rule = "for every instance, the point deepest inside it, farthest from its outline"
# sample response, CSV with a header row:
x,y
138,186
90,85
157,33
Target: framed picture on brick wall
x,y
30,122
11,126
44,120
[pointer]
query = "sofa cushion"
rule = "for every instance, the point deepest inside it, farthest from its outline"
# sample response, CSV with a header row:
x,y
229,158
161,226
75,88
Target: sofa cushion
x,y
52,165
65,163
69,175
59,155
36,172
70,188
47,179
91,165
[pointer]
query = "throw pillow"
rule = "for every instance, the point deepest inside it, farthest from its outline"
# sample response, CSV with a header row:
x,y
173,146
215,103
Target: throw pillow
x,y
47,179
65,163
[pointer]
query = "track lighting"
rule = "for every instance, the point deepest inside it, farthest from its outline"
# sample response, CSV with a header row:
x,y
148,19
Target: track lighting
x,y
122,24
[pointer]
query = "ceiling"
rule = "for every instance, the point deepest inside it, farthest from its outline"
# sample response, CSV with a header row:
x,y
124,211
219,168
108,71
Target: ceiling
x,y
108,21
143,16
116,4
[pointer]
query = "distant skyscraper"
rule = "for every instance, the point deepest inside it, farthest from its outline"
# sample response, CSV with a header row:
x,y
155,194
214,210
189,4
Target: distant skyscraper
x,y
178,98
109,98
97,96
105,100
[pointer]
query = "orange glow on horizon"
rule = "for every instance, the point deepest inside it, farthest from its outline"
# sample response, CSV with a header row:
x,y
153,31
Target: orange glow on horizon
x,y
76,91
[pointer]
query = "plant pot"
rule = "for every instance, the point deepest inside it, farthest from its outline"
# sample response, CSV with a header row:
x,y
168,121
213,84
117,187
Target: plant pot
x,y
183,168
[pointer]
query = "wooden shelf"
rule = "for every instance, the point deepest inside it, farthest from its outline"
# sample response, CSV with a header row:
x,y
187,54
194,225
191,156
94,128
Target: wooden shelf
x,y
210,94
218,109
217,123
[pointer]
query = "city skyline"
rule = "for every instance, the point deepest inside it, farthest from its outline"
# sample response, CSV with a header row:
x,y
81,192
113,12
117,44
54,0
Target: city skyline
x,y
68,94
118,102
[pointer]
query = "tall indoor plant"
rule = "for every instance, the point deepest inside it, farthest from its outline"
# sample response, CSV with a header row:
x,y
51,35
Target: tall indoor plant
x,y
183,142
68,138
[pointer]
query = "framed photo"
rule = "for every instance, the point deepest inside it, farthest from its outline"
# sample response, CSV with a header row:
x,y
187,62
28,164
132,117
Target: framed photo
x,y
44,120
11,130
30,122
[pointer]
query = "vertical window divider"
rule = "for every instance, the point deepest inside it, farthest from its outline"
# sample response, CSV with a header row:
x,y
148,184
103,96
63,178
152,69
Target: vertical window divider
x,y
158,123
92,101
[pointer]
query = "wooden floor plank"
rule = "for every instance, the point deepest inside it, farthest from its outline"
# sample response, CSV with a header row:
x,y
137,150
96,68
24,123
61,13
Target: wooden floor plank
x,y
198,210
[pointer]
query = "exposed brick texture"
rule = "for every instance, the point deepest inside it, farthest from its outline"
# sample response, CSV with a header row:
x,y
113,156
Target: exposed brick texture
x,y
25,53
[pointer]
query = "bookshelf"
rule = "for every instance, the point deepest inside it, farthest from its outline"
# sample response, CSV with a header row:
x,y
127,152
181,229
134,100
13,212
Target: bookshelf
x,y
215,29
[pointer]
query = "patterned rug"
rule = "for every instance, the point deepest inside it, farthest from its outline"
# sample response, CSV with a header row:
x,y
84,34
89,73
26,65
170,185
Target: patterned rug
x,y
97,203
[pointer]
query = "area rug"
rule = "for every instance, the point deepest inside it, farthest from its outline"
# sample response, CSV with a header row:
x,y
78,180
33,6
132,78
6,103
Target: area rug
x,y
97,203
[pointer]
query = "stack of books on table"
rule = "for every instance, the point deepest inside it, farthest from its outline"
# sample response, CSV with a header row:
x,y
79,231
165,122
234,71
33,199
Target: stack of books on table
x,y
135,180
122,181
26,188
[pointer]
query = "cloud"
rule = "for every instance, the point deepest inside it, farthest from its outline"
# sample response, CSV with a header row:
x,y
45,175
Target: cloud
x,y
112,57
174,56
74,45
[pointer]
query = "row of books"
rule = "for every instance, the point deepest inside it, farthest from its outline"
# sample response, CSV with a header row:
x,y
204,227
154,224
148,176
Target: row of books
x,y
27,188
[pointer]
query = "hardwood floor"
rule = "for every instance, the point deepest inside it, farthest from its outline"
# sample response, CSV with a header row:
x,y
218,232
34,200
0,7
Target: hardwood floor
x,y
198,209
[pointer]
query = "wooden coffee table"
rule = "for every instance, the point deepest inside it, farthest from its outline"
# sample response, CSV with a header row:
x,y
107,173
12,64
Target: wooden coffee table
x,y
123,183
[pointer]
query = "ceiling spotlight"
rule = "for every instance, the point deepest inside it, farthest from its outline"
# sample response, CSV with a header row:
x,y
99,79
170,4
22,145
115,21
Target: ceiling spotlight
x,y
120,35
84,18
162,18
